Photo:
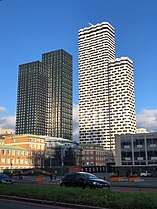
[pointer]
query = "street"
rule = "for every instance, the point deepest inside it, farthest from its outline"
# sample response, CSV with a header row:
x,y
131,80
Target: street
x,y
132,189
14,204
147,184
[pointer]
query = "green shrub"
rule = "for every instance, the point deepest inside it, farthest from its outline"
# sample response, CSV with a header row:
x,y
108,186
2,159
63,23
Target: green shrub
x,y
100,197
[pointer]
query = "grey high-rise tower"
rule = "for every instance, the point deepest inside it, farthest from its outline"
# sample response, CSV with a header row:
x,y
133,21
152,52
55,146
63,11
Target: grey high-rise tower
x,y
106,88
44,104
59,93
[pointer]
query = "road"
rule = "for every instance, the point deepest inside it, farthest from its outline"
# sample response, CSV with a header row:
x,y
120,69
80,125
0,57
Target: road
x,y
14,204
133,189
147,185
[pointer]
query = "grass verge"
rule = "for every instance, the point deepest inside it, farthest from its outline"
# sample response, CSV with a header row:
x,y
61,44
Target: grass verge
x,y
100,198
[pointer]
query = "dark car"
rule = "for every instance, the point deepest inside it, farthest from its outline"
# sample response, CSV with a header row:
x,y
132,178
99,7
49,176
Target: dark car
x,y
83,180
5,179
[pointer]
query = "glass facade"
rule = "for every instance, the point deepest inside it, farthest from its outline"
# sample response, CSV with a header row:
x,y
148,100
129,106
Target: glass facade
x,y
32,99
126,151
61,152
152,149
139,149
44,104
59,94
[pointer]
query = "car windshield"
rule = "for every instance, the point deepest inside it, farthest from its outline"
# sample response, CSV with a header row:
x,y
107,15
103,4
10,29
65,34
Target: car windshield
x,y
90,176
4,176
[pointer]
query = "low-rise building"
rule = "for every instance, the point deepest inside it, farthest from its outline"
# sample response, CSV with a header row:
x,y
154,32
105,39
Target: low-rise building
x,y
61,152
14,157
35,145
141,130
94,155
136,150
6,132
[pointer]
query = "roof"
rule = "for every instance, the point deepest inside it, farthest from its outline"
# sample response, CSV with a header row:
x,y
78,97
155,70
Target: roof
x,y
28,135
55,139
12,147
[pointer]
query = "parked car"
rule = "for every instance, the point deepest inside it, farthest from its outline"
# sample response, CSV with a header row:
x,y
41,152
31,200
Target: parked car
x,y
83,180
145,174
5,179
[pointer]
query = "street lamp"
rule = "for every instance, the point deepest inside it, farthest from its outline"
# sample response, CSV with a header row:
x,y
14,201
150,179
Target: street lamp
x,y
62,152
51,157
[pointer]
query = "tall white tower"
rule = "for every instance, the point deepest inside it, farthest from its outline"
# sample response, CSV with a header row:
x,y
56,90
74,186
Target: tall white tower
x,y
96,51
122,118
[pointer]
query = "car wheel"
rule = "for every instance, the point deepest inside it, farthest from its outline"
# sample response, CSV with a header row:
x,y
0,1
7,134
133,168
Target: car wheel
x,y
63,185
88,187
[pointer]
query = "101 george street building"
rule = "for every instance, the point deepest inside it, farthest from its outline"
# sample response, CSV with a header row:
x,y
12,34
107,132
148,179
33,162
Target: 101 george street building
x,y
44,102
106,88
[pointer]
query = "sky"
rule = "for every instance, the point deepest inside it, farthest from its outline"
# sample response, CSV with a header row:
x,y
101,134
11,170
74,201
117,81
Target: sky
x,y
29,28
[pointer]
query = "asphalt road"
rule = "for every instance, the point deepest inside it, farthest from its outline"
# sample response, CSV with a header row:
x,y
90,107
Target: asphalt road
x,y
133,189
14,204
148,184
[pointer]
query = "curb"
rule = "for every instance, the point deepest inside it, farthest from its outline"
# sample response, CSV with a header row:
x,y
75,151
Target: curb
x,y
63,204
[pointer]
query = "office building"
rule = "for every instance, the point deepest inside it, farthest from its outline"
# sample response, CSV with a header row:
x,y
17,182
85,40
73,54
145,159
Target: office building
x,y
44,104
136,150
59,94
106,88
31,116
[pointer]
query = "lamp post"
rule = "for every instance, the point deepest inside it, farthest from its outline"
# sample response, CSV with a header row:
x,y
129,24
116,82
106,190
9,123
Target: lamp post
x,y
62,155
62,152
51,157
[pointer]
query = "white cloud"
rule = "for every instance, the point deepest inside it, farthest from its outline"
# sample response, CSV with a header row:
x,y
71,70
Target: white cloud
x,y
147,119
6,122
2,109
76,122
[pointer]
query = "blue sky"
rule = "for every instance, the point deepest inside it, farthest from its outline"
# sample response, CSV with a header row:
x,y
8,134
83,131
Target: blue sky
x,y
29,28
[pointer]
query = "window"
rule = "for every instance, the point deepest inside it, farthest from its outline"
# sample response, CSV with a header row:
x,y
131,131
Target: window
x,y
8,152
139,146
2,152
3,160
152,145
7,161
